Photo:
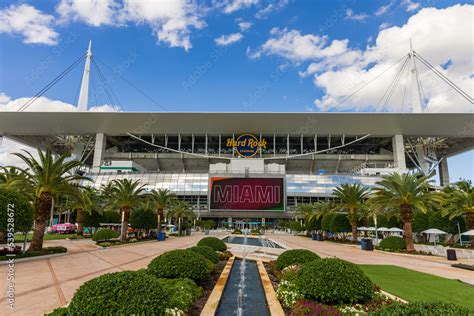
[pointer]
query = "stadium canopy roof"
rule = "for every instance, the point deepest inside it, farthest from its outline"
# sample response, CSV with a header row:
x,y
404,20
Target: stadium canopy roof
x,y
453,125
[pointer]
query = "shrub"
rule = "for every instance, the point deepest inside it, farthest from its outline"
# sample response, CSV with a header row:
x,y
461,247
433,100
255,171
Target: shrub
x,y
326,222
394,243
423,309
143,219
206,252
304,307
181,264
182,292
287,291
60,311
120,293
213,242
333,280
237,231
295,256
105,234
35,253
339,223
23,218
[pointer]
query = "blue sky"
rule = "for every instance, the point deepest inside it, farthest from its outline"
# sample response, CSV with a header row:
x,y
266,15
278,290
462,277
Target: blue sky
x,y
287,55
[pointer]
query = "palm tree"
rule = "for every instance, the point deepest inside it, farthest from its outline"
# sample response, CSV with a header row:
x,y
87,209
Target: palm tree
x,y
12,178
351,199
47,177
402,195
161,201
181,210
124,195
82,202
460,202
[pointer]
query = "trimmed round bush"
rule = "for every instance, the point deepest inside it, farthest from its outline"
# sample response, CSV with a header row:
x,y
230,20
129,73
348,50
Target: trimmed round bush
x,y
182,292
120,293
423,309
295,256
206,252
181,263
105,234
334,281
213,242
18,203
393,243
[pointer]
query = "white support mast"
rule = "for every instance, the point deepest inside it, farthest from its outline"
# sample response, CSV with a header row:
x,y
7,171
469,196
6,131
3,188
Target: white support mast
x,y
84,93
418,104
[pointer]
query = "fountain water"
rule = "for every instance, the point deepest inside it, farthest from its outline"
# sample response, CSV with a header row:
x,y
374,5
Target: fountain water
x,y
241,292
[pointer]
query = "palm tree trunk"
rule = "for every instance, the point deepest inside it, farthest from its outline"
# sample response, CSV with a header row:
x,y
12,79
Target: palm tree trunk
x,y
470,225
124,230
42,205
409,236
354,233
80,222
159,216
179,226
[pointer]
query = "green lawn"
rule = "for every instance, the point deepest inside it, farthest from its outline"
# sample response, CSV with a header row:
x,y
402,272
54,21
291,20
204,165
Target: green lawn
x,y
416,286
19,237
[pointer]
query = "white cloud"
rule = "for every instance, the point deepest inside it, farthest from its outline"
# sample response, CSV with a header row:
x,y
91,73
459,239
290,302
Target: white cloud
x,y
232,6
293,45
410,5
92,12
350,15
25,20
8,147
244,26
271,7
339,70
384,25
385,8
171,21
225,40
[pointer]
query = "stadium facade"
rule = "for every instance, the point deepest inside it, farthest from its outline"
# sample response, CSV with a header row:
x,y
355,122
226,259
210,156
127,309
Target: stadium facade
x,y
247,169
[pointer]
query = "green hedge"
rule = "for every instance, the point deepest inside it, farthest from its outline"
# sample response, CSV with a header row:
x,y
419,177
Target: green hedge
x,y
334,281
105,234
181,264
423,309
295,256
206,252
213,242
393,243
120,293
182,292
20,206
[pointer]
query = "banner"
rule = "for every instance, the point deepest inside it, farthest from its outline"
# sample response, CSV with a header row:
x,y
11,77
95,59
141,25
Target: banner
x,y
226,193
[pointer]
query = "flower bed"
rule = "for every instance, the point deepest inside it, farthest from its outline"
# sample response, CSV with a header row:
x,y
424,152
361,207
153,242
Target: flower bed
x,y
358,298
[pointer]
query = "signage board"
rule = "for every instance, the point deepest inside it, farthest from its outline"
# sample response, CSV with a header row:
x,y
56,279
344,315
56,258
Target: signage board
x,y
232,193
247,145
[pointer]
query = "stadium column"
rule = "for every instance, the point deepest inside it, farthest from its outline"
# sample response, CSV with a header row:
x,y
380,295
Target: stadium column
x,y
98,151
443,172
399,153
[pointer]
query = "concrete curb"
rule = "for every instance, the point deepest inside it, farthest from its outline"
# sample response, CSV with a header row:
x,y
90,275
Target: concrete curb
x,y
5,262
272,302
212,303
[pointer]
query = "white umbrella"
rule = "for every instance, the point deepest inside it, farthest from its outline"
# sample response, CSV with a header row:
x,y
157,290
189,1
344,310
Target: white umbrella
x,y
396,230
383,229
362,228
468,233
434,231
371,228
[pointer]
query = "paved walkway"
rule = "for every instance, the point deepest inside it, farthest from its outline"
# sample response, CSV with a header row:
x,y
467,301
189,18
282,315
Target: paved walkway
x,y
44,284
428,264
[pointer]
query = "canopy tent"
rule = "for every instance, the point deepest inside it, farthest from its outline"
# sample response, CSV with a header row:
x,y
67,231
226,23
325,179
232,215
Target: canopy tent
x,y
468,233
383,229
395,230
362,228
434,232
371,229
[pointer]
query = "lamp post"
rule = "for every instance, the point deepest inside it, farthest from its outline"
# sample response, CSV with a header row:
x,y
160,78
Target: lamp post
x,y
460,236
376,234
